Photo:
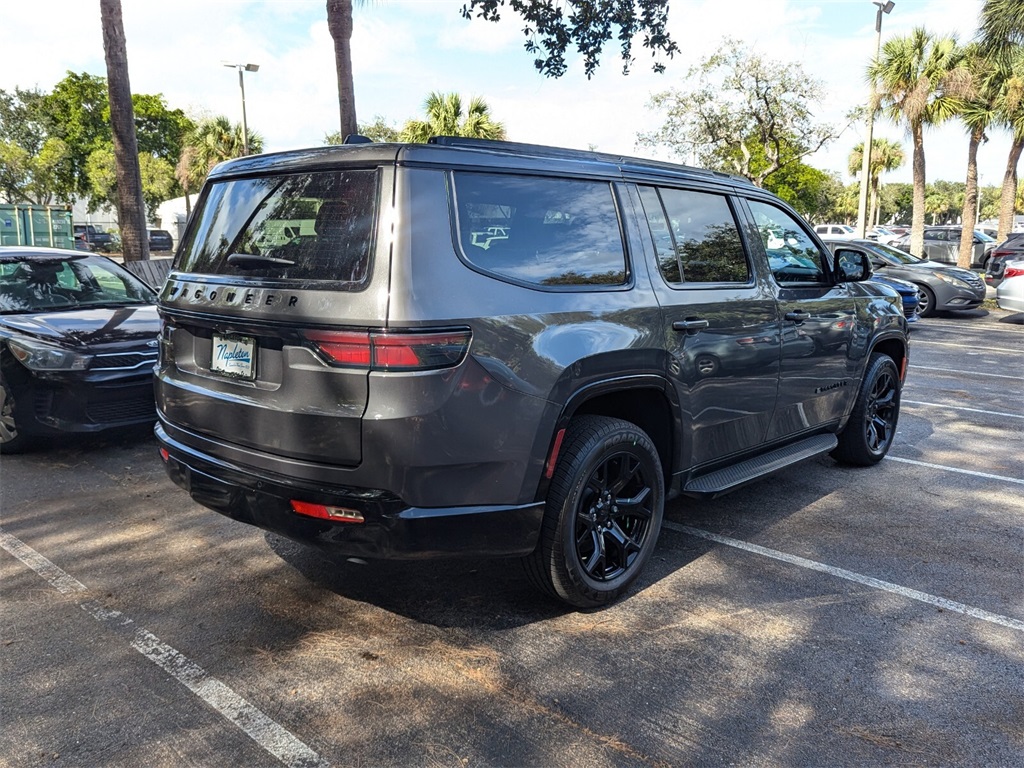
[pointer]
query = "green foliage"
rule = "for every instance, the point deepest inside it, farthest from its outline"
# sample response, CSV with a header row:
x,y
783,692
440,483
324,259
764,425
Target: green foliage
x,y
158,182
159,131
379,130
551,26
751,112
34,178
211,141
445,117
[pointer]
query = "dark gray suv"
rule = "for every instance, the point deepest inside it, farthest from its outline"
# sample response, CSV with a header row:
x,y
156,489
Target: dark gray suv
x,y
491,349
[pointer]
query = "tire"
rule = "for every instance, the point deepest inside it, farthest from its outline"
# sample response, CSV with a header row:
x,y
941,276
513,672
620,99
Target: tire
x,y
12,440
603,513
926,301
869,433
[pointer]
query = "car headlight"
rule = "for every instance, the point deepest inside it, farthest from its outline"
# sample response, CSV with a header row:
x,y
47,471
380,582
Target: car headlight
x,y
43,357
951,280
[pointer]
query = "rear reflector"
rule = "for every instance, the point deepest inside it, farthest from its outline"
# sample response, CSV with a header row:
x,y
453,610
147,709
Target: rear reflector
x,y
165,455
337,514
385,351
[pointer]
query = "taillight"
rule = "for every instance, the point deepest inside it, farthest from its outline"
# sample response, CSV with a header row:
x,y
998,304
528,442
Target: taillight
x,y
385,351
1013,272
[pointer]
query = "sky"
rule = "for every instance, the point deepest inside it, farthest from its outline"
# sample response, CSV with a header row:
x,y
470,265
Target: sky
x,y
404,49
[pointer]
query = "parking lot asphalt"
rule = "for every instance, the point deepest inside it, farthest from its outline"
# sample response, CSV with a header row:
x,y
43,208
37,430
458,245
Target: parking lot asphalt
x,y
823,616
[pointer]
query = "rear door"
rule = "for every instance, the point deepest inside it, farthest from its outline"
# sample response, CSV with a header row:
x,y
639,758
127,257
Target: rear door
x,y
720,322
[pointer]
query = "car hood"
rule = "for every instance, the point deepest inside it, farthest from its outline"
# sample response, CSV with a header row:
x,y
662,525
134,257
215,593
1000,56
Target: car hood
x,y
82,327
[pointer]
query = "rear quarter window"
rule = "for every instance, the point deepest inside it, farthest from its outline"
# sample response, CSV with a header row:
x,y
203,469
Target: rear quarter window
x,y
544,231
312,226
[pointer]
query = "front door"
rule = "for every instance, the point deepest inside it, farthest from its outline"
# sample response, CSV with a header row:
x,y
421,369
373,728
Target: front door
x,y
817,380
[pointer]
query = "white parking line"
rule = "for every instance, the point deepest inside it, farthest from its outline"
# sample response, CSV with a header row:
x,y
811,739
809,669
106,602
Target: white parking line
x,y
933,369
885,586
958,470
253,723
984,328
904,401
969,348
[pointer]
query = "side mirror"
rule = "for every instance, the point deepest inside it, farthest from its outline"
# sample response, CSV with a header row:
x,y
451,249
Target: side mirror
x,y
851,266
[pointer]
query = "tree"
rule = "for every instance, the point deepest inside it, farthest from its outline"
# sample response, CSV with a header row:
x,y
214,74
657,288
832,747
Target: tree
x,y
1002,23
76,112
213,141
551,26
157,176
378,130
886,156
1010,105
34,178
740,105
910,78
445,117
130,214
339,22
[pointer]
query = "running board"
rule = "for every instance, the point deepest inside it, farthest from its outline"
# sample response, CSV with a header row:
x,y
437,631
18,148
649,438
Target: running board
x,y
732,477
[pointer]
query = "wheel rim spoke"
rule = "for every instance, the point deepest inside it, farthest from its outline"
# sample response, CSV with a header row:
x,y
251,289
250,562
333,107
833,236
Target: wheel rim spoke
x,y
880,413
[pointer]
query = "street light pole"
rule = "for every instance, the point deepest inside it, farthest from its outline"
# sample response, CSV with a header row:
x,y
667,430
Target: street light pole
x,y
865,166
243,68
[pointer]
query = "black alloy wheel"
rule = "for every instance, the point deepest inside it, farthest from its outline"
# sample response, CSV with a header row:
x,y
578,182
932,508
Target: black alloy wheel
x,y
11,439
869,433
603,514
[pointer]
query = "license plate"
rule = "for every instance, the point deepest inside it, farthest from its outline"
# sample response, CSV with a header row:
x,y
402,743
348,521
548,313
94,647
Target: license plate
x,y
234,356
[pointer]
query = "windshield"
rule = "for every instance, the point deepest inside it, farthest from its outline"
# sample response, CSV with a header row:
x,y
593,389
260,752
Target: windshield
x,y
54,283
894,255
983,237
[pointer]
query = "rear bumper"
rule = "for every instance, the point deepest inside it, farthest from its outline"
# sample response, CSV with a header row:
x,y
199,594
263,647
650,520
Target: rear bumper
x,y
392,529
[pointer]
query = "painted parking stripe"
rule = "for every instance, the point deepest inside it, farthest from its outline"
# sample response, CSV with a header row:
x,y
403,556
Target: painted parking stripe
x,y
958,470
986,328
933,369
255,724
972,348
885,586
904,401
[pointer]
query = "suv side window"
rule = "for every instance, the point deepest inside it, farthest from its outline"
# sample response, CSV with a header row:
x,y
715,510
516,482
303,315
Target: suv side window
x,y
551,232
696,236
792,254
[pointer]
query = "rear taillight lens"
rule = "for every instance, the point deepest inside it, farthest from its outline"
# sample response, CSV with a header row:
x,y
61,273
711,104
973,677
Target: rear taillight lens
x,y
1013,272
384,351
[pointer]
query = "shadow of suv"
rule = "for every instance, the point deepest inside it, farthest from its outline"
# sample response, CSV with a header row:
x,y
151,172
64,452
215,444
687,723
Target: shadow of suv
x,y
491,349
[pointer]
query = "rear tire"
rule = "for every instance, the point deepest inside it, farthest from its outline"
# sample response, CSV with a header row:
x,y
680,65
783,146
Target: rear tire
x,y
603,514
869,433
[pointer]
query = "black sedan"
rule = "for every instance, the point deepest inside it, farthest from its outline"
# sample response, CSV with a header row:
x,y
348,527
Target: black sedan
x,y
940,287
78,342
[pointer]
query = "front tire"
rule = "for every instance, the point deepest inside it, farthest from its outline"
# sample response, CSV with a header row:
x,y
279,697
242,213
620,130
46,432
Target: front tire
x,y
926,301
603,514
869,433
12,439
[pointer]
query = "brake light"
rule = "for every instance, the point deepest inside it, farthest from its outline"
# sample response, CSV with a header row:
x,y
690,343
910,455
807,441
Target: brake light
x,y
1013,272
384,351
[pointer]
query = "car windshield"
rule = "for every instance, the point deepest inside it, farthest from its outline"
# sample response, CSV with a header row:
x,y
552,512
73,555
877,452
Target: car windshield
x,y
983,237
57,283
894,255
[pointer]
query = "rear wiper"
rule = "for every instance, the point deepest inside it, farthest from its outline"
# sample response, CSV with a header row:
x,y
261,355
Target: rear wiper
x,y
254,261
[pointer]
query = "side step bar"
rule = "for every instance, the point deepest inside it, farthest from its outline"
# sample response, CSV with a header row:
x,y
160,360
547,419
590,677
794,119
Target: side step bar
x,y
732,477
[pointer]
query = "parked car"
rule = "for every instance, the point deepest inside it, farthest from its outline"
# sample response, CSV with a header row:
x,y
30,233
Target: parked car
x,y
835,231
160,240
400,383
1010,293
1011,248
908,292
940,287
95,237
942,245
883,235
78,341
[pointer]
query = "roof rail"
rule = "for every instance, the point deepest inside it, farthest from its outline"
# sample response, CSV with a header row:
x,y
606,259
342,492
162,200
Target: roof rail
x,y
542,150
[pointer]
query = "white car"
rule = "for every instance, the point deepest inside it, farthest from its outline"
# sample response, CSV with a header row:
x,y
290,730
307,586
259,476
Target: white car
x,y
883,235
1010,293
836,231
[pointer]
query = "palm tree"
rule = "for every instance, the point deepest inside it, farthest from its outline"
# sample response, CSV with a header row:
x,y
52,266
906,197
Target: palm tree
x,y
1010,102
339,22
1002,22
911,75
131,215
212,141
886,156
445,117
978,111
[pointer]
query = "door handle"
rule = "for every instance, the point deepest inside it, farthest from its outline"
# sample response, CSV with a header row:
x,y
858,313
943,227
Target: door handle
x,y
798,316
690,325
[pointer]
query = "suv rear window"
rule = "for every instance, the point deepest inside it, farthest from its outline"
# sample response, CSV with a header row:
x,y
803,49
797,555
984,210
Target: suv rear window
x,y
552,232
315,226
